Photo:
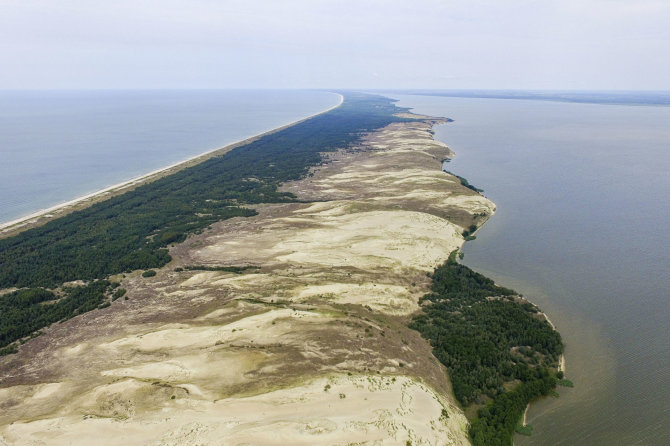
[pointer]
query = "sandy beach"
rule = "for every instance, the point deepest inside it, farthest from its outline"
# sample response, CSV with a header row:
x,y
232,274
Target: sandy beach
x,y
42,216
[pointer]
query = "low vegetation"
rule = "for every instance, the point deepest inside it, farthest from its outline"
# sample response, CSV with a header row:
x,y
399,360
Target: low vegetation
x,y
499,350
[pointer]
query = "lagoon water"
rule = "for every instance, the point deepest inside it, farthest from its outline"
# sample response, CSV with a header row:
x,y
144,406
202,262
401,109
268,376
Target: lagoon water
x,y
582,228
58,145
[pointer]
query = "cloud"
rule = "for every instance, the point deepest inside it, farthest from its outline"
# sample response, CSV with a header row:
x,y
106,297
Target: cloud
x,y
323,43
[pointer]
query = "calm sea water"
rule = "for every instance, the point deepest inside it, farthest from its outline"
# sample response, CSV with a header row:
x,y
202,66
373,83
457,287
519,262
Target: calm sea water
x,y
583,230
58,145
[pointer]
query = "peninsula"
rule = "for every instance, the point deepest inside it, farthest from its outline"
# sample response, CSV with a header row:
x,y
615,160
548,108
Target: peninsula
x,y
302,288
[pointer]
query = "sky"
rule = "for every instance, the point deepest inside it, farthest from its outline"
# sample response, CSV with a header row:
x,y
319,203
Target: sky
x,y
426,44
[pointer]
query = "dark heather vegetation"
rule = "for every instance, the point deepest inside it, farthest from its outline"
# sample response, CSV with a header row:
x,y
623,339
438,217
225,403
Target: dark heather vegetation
x,y
499,351
132,231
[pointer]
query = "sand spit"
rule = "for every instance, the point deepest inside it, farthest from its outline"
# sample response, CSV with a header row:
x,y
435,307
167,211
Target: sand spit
x,y
312,347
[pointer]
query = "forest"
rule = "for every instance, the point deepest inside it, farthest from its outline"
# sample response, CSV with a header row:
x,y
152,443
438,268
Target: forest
x,y
25,311
133,231
499,351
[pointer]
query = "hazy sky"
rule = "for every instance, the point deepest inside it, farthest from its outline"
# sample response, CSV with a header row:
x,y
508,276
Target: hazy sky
x,y
525,44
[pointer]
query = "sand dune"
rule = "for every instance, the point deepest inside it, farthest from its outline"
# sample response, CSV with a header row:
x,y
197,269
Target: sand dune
x,y
310,348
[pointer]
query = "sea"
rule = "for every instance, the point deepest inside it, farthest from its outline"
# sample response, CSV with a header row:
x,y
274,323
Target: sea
x,y
582,229
56,146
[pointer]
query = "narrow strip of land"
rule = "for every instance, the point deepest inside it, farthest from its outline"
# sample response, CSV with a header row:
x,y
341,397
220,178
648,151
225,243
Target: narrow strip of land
x,y
40,217
291,282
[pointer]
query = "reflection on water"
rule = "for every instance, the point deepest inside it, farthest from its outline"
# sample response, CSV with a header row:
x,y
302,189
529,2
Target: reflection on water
x,y
581,229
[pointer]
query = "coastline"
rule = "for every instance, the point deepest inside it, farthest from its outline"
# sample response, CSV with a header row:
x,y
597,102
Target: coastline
x,y
38,218
561,361
312,346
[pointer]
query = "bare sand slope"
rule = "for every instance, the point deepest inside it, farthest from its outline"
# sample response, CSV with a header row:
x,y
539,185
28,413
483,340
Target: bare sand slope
x,y
311,347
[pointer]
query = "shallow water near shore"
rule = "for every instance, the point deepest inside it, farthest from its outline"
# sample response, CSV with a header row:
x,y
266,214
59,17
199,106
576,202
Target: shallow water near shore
x,y
581,230
56,146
